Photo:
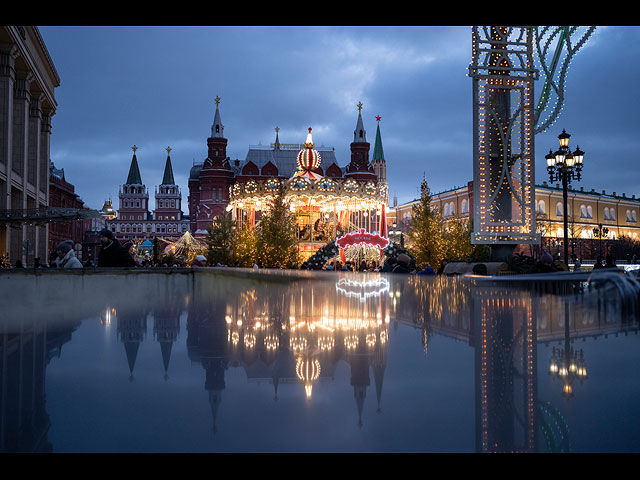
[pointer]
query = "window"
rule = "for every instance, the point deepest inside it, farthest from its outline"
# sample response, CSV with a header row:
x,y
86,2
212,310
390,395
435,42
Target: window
x,y
583,211
606,213
541,207
559,209
589,211
464,206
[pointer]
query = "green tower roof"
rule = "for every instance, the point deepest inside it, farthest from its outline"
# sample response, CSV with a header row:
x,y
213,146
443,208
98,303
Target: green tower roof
x,y
378,153
167,178
134,177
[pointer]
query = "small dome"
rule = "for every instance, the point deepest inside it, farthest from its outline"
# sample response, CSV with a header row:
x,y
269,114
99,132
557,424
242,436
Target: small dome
x,y
308,158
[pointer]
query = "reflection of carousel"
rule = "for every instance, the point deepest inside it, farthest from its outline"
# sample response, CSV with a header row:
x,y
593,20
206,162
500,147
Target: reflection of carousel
x,y
327,204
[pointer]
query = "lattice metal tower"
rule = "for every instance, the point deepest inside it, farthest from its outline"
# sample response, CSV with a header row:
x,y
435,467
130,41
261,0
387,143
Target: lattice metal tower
x,y
503,76
505,120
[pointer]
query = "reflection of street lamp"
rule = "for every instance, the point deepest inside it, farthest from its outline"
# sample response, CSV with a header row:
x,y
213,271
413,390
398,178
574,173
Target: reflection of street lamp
x,y
600,232
567,364
565,166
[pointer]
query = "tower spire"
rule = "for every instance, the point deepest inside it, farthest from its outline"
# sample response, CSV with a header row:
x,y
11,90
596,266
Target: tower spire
x,y
217,127
359,134
167,178
134,177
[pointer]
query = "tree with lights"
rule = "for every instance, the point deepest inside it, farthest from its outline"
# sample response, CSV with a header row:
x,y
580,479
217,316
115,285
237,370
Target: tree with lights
x,y
428,242
277,244
245,247
220,240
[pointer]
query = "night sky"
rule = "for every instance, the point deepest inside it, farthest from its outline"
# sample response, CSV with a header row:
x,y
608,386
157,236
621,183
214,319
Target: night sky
x,y
155,87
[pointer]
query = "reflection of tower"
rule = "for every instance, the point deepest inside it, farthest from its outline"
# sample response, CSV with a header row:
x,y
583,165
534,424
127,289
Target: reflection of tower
x,y
207,344
132,327
166,327
359,361
504,332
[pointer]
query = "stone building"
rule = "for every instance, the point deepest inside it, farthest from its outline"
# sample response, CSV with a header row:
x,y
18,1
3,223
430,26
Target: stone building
x,y
28,79
587,210
135,221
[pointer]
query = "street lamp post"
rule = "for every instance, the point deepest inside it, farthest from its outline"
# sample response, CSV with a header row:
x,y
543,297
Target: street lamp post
x,y
600,232
565,166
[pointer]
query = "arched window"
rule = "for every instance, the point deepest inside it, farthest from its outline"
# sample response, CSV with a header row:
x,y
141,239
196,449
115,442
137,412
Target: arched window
x,y
559,209
541,207
589,211
612,214
452,208
446,210
634,216
464,206
583,211
606,213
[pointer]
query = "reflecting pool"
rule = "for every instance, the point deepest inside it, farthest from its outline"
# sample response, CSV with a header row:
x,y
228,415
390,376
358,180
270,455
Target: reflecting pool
x,y
232,360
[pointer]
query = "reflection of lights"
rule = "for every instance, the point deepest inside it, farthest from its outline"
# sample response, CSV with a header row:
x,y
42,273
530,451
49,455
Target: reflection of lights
x,y
362,290
249,340
308,371
108,316
271,342
567,366
298,343
227,319
325,343
235,338
371,340
351,341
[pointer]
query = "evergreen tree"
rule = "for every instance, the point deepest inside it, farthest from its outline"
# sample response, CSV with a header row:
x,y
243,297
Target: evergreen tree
x,y
277,241
220,240
245,247
427,238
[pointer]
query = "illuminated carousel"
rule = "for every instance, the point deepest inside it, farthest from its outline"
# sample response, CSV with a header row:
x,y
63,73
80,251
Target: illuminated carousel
x,y
327,209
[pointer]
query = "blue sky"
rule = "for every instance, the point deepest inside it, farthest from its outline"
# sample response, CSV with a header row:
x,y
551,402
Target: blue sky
x,y
155,87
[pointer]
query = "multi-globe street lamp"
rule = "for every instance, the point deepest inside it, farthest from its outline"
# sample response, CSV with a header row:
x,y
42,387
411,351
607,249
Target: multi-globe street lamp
x,y
565,166
600,232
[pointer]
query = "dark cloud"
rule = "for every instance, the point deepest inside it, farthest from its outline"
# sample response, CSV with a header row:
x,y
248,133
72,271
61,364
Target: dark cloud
x,y
154,87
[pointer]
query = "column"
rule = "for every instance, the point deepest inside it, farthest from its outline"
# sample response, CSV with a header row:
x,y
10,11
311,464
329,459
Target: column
x,y
8,54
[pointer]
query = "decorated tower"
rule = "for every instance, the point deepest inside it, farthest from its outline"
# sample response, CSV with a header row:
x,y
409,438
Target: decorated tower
x,y
378,162
209,184
133,195
359,168
168,196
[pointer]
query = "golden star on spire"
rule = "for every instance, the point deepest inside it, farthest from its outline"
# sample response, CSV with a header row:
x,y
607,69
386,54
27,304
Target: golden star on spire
x,y
134,148
359,107
217,100
168,149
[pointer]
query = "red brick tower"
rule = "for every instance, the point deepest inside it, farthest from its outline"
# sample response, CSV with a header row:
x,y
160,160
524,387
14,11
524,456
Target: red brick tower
x,y
209,187
359,168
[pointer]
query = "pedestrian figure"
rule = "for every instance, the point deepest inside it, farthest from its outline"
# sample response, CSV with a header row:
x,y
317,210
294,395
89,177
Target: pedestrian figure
x,y
598,263
428,270
112,253
66,256
403,264
443,264
545,264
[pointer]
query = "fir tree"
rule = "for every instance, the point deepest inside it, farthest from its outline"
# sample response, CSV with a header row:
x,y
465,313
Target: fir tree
x,y
277,241
245,246
427,239
220,240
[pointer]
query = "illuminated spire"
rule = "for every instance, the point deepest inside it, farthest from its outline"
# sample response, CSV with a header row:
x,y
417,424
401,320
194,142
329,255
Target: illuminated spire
x,y
359,134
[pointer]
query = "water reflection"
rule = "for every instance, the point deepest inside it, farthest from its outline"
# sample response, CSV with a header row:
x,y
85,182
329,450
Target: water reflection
x,y
300,331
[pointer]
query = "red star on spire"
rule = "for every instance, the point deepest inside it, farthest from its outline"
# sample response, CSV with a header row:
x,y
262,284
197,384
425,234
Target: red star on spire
x,y
378,118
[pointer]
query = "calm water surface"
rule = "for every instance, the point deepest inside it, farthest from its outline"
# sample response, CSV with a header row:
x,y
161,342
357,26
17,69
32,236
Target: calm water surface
x,y
240,361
